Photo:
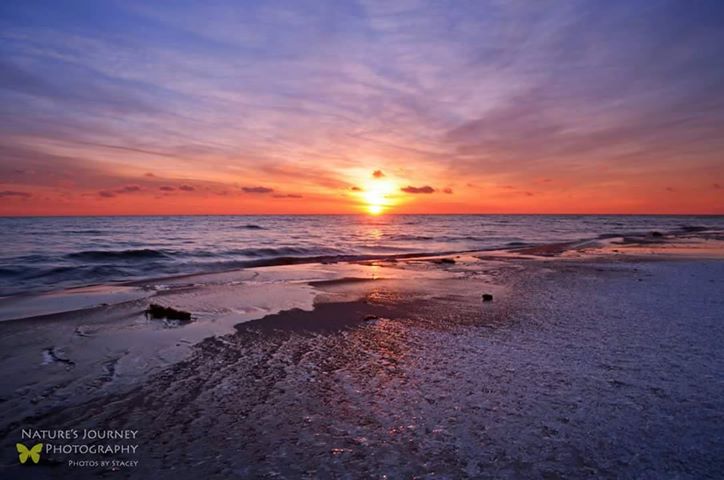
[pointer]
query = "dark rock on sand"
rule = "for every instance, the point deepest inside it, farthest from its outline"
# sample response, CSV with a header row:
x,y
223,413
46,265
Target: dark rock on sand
x,y
159,311
487,297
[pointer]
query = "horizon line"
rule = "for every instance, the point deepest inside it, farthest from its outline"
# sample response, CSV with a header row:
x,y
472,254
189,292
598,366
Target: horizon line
x,y
362,214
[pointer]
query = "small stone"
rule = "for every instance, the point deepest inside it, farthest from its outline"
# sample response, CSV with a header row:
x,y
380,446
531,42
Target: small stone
x,y
657,234
159,311
445,260
487,297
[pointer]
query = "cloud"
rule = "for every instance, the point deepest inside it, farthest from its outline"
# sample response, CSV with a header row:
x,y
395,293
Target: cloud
x,y
185,187
447,190
110,193
716,186
257,190
424,189
441,92
378,174
76,86
13,193
288,195
355,189
50,170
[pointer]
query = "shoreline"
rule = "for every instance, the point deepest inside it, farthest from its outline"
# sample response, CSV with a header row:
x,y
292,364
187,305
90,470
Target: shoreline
x,y
105,291
369,325
115,256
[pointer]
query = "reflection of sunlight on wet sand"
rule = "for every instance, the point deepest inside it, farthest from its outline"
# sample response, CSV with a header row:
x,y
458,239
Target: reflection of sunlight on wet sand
x,y
386,347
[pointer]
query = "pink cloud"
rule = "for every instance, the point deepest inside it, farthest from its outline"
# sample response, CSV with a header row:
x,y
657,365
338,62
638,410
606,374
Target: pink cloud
x,y
259,190
424,189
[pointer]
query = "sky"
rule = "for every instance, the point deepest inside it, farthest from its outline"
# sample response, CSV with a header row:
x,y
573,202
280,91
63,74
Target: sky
x,y
280,107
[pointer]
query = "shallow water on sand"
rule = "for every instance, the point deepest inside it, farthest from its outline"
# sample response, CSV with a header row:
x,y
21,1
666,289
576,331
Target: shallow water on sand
x,y
40,254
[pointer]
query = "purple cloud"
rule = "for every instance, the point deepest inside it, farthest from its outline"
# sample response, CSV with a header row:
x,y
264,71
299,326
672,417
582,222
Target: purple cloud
x,y
129,189
542,111
13,193
257,189
167,188
447,190
424,189
186,188
119,191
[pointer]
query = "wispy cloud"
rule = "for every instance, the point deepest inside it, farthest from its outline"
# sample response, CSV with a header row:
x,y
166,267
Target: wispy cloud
x,y
600,96
13,193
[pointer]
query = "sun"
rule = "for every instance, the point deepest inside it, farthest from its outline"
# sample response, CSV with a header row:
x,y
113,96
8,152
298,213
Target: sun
x,y
374,209
377,195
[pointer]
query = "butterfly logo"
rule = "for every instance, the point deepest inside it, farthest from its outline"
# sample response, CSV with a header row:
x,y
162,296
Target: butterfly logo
x,y
25,452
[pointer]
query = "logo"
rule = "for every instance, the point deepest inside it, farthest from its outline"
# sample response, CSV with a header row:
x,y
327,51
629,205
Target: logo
x,y
82,448
33,453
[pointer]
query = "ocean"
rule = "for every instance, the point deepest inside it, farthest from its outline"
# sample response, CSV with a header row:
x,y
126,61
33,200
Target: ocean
x,y
51,253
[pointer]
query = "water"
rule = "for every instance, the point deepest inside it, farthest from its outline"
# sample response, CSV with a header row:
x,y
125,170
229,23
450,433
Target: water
x,y
38,254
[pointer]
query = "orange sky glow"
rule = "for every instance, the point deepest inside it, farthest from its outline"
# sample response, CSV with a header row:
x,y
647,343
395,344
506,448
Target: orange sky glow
x,y
374,108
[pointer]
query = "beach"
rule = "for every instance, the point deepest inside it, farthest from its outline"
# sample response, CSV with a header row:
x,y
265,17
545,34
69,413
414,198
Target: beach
x,y
354,240
598,358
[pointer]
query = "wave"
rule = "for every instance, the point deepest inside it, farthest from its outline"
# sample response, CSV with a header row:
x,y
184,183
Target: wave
x,y
149,247
294,260
283,252
84,232
7,271
408,237
693,228
101,255
517,244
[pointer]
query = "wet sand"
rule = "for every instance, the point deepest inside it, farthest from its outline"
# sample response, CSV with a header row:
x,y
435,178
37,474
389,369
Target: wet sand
x,y
595,360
